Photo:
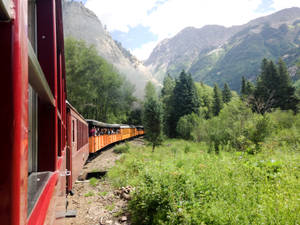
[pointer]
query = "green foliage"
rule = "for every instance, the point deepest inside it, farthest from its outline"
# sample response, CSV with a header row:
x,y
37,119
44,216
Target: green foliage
x,y
89,194
205,94
94,87
194,187
218,101
226,93
167,101
185,99
274,89
135,117
150,91
93,181
122,148
297,88
152,121
186,124
236,128
104,193
247,88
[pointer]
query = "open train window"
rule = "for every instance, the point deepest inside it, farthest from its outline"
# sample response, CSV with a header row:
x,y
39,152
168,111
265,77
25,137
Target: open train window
x,y
32,131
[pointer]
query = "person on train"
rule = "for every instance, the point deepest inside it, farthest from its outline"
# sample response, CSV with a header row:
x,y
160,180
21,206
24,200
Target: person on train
x,y
93,131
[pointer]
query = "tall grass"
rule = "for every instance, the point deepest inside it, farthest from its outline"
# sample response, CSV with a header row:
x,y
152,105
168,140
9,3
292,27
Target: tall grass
x,y
181,183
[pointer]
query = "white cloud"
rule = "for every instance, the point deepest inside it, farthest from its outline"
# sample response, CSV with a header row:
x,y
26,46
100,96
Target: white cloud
x,y
144,51
175,15
120,14
282,4
171,16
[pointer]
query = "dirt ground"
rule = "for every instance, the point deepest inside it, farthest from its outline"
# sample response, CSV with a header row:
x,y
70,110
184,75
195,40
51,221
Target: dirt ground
x,y
100,204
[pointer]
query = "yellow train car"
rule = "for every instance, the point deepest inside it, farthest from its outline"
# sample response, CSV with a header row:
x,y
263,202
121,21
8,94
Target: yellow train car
x,y
103,134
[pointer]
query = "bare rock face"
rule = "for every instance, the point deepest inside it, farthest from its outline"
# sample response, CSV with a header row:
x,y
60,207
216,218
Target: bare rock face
x,y
82,24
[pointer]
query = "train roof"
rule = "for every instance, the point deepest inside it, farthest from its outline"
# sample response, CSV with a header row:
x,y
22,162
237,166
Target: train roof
x,y
108,125
101,124
75,110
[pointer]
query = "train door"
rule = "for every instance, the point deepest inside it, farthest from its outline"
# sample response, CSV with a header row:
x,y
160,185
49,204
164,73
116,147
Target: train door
x,y
72,146
69,149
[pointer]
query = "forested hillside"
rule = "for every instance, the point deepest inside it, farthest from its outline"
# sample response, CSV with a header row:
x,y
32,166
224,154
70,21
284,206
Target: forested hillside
x,y
81,23
94,87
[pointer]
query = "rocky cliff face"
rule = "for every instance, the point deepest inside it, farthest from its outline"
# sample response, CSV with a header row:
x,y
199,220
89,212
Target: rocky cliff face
x,y
220,54
82,24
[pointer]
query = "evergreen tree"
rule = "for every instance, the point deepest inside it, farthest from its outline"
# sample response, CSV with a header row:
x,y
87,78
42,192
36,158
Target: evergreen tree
x,y
150,91
152,121
249,88
286,93
135,117
167,101
218,102
226,93
274,88
185,99
243,86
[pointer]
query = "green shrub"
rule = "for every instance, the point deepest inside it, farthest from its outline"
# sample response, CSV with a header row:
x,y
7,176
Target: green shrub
x,y
186,125
122,148
93,181
89,194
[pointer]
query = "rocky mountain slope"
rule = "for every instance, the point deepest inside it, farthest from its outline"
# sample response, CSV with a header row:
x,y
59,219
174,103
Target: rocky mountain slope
x,y
82,24
219,54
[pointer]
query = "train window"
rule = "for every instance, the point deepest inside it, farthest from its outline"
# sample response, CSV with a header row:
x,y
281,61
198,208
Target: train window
x,y
73,130
32,130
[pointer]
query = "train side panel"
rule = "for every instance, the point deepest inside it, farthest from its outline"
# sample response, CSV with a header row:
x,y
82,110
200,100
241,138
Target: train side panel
x,y
78,145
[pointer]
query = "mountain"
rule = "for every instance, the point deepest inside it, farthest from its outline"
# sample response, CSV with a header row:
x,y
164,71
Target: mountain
x,y
82,24
219,54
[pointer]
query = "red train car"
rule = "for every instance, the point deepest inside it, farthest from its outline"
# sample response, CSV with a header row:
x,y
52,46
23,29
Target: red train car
x,y
44,142
78,144
33,113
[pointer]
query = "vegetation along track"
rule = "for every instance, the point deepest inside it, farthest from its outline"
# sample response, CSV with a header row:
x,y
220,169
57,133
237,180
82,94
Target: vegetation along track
x,y
95,199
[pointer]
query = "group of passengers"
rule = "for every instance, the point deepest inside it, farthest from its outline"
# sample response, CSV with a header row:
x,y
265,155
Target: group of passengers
x,y
96,131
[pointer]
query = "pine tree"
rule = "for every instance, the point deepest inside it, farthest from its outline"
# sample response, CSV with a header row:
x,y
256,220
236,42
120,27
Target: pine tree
x,y
286,92
185,99
243,86
226,93
274,89
150,91
152,121
249,88
167,101
218,102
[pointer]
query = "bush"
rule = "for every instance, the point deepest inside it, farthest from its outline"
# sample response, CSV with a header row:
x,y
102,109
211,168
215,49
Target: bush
x,y
122,148
93,181
186,125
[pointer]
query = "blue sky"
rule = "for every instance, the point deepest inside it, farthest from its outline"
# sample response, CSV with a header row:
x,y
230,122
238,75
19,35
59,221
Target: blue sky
x,y
141,24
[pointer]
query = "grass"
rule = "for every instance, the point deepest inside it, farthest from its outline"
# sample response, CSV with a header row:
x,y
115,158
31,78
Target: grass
x,y
93,181
104,193
180,183
123,148
110,207
89,194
